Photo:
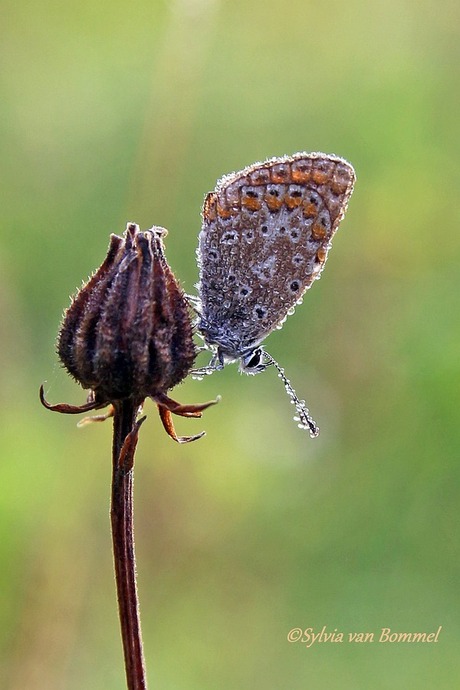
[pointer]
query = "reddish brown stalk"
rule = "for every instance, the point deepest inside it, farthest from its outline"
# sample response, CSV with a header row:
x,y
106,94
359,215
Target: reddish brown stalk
x,y
127,336
125,433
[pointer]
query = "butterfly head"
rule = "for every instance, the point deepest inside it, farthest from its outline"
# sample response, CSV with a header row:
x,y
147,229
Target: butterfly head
x,y
253,362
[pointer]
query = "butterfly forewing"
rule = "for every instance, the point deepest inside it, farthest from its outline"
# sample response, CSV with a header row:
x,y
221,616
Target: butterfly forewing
x,y
265,237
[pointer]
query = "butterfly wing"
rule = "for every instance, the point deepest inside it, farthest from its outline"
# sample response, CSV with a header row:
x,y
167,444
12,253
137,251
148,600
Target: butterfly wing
x,y
265,238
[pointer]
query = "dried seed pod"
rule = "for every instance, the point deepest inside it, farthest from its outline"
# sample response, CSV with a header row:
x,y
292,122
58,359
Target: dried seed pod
x,y
128,333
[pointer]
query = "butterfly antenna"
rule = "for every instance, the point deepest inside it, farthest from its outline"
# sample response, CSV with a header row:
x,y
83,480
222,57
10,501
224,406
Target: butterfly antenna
x,y
304,419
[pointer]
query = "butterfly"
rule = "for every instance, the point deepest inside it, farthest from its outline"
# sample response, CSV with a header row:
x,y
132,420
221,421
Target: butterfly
x,y
265,237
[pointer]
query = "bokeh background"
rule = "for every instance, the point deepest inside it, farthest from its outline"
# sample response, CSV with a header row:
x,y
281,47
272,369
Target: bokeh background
x,y
117,111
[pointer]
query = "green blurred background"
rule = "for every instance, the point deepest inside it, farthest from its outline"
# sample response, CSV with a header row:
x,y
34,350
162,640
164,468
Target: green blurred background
x,y
117,111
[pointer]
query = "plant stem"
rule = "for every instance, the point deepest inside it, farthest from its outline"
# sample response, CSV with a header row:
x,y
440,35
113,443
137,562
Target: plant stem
x,y
125,431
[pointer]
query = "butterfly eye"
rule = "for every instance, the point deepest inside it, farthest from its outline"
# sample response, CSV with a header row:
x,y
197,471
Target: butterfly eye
x,y
253,362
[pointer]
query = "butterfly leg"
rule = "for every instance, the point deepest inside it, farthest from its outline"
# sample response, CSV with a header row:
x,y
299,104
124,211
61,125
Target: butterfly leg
x,y
216,364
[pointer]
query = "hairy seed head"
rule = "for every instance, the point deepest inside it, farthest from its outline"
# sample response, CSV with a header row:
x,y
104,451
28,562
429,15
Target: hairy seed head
x,y
127,333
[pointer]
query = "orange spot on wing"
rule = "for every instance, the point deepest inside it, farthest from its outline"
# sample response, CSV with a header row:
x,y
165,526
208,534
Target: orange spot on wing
x,y
318,232
293,201
274,203
280,175
209,208
301,176
339,186
321,255
320,177
310,210
251,203
223,212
